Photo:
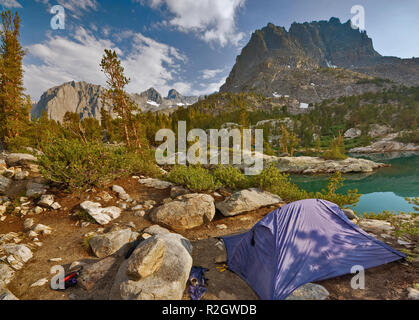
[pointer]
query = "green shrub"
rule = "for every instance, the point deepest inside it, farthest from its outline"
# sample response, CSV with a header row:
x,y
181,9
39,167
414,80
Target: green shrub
x,y
273,181
230,177
78,166
195,178
336,182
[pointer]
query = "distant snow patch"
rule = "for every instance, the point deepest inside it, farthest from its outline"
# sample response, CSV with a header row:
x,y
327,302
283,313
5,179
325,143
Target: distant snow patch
x,y
153,103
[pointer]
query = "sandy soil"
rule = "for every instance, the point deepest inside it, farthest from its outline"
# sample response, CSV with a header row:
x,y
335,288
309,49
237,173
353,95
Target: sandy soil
x,y
385,282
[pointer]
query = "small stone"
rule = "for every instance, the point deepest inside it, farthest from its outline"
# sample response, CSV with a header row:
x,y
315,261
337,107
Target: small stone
x,y
105,196
85,224
139,213
131,225
413,294
309,291
38,210
42,229
350,214
6,274
403,243
3,209
55,206
46,200
39,283
55,260
28,224
32,234
221,227
21,175
6,295
138,207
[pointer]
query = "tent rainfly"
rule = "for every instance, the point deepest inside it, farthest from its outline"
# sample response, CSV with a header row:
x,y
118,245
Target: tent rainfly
x,y
302,242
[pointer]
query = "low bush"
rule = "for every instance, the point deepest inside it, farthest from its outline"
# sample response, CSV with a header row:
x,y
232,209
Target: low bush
x,y
231,177
78,166
195,178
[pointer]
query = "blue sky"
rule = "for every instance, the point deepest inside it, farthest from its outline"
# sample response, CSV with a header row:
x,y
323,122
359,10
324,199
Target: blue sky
x,y
189,45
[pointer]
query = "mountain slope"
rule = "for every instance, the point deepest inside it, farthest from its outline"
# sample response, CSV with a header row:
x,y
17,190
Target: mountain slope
x,y
86,99
316,61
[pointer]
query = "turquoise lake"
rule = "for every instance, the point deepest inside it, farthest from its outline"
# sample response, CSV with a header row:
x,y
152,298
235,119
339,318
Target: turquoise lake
x,y
385,189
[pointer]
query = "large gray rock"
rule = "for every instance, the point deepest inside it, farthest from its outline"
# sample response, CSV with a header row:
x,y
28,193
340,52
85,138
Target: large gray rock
x,y
109,243
246,200
185,212
309,291
6,274
167,283
101,215
4,184
34,189
14,159
146,259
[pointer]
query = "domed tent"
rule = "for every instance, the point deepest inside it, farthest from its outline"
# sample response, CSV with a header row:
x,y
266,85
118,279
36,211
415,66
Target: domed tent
x,y
305,241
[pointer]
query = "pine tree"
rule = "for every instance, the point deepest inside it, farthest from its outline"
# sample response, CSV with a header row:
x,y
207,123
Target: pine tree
x,y
14,104
116,97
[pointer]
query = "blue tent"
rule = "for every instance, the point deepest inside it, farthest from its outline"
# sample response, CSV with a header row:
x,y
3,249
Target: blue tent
x,y
305,241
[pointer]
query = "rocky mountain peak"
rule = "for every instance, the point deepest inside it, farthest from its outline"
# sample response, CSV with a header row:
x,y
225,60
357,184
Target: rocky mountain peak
x,y
173,95
295,63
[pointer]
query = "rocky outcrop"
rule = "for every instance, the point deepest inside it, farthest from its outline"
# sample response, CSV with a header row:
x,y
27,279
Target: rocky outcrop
x,y
386,144
154,273
315,61
313,165
185,212
245,201
85,99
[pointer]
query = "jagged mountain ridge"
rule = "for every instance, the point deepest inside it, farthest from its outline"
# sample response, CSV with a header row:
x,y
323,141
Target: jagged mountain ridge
x,y
86,99
316,61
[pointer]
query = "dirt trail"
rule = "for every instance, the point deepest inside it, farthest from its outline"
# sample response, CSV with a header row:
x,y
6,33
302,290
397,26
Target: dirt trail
x,y
66,242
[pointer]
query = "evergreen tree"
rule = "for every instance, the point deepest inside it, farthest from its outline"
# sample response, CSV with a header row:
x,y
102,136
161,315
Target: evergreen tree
x,y
118,99
14,104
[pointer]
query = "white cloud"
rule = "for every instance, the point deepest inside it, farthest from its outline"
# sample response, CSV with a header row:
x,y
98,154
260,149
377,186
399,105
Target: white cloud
x,y
209,88
77,7
10,4
211,20
147,62
210,73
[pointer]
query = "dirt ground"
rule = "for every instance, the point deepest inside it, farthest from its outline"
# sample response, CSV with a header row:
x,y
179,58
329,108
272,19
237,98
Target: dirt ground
x,y
66,242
